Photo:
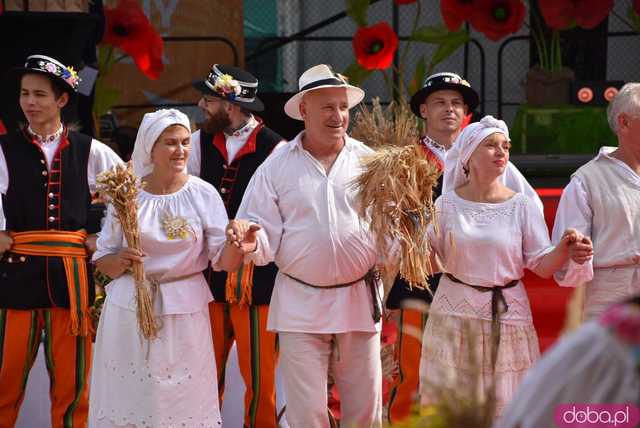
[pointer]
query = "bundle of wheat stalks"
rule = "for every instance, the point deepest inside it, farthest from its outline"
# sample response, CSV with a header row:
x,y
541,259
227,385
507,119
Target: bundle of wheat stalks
x,y
395,187
119,186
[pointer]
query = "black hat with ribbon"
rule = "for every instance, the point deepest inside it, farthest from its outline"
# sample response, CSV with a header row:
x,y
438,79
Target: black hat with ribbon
x,y
440,81
66,76
231,84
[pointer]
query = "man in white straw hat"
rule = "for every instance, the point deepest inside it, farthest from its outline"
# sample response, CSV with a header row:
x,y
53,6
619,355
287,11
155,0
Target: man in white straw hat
x,y
326,302
47,174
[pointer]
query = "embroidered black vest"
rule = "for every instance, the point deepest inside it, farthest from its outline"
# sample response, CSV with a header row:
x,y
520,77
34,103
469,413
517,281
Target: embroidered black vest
x,y
231,181
41,199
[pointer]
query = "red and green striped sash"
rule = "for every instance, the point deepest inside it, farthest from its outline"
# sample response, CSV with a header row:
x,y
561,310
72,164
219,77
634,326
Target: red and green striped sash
x,y
70,247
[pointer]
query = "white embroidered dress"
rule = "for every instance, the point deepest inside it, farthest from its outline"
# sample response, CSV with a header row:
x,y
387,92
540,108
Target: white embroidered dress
x,y
484,245
170,381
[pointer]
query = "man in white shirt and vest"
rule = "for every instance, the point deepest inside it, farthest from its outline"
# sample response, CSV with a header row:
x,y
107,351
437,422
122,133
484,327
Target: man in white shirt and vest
x,y
326,302
602,201
47,175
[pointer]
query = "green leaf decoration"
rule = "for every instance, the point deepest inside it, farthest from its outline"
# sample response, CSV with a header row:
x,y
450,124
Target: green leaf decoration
x,y
357,10
418,76
357,74
434,34
448,48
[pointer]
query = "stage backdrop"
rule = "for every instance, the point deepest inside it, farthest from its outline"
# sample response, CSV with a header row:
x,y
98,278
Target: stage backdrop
x,y
184,61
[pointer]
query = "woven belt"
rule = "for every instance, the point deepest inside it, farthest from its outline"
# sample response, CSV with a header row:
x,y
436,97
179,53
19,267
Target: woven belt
x,y
69,246
497,298
370,278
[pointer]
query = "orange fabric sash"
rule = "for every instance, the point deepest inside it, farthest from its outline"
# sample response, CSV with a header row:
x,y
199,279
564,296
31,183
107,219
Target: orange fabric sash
x,y
70,247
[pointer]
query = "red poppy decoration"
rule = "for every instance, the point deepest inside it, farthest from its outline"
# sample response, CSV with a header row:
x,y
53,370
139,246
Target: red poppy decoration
x,y
563,14
375,46
455,12
128,28
498,18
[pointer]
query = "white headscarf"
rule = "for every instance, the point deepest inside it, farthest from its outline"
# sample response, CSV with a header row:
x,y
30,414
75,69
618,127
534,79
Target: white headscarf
x,y
152,125
464,146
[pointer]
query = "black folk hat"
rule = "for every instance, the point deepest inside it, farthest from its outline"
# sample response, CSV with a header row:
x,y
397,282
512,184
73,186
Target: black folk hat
x,y
66,76
440,81
231,84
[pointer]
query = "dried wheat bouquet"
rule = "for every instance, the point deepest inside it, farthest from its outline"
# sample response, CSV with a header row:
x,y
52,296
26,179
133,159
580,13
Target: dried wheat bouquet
x,y
395,188
120,187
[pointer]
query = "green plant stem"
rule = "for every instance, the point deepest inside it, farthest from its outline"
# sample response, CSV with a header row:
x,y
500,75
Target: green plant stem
x,y
403,56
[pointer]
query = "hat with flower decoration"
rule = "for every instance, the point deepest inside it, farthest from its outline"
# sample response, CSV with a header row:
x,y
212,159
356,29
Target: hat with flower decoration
x,y
440,81
54,69
232,84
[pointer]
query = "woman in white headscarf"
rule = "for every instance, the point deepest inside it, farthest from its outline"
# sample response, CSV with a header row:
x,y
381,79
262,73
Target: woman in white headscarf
x,y
171,380
485,235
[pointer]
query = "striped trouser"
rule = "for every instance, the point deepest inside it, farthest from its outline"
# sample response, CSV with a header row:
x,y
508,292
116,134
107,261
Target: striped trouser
x,y
68,360
404,392
257,356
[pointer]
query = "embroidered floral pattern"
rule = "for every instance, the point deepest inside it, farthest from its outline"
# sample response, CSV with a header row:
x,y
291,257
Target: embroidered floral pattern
x,y
176,227
68,74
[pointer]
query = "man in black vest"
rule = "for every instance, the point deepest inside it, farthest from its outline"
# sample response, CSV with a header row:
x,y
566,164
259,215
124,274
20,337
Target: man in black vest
x,y
47,173
226,152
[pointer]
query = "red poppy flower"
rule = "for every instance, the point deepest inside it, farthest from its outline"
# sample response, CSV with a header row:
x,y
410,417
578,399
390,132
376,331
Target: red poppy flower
x,y
401,2
374,46
563,14
455,12
498,18
636,6
128,28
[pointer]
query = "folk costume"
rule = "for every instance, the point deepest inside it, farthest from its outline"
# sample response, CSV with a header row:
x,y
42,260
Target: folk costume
x,y
481,307
46,184
602,201
240,307
167,381
412,302
326,302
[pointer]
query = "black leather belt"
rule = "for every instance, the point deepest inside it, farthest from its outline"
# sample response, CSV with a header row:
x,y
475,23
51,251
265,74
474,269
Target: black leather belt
x,y
370,278
497,298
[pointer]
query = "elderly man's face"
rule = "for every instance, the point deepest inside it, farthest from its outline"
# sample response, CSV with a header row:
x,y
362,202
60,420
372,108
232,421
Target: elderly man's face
x,y
326,113
444,111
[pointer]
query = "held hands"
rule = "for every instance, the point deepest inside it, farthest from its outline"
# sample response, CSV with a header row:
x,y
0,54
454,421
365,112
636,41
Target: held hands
x,y
241,234
578,246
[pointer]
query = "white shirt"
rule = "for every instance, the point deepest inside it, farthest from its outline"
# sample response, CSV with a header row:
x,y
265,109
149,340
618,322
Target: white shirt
x,y
486,245
311,230
575,211
167,259
101,158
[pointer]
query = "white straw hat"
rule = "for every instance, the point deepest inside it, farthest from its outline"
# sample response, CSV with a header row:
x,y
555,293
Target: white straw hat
x,y
319,77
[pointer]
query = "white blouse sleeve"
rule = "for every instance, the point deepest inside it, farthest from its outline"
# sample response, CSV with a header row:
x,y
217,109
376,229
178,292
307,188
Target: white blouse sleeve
x,y
535,235
436,231
110,238
260,205
101,158
213,216
573,211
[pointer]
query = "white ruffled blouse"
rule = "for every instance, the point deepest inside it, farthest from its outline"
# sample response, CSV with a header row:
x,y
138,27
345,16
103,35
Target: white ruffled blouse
x,y
175,262
486,244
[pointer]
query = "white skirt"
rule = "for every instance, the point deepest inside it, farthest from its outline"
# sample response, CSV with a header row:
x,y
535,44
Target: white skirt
x,y
168,382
